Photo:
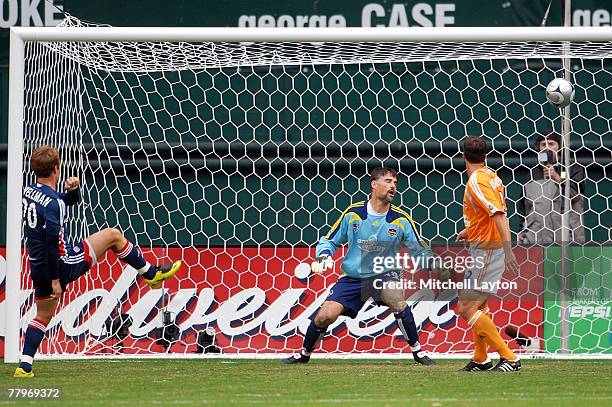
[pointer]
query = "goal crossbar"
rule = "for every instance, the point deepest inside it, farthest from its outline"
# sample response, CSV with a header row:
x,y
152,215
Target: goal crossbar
x,y
348,34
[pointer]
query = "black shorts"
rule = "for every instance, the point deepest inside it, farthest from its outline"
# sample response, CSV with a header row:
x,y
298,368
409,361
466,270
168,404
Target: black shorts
x,y
77,262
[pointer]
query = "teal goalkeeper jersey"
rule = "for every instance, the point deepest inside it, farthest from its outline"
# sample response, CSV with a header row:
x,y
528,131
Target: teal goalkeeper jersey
x,y
372,235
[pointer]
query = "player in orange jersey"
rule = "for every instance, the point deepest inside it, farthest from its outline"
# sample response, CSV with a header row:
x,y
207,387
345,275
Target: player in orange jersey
x,y
488,233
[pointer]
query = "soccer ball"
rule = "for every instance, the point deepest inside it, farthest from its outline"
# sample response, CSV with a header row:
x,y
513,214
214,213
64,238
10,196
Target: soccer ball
x,y
560,92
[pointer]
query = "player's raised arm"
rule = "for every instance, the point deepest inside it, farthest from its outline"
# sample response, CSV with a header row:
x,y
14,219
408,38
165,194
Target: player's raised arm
x,y
72,195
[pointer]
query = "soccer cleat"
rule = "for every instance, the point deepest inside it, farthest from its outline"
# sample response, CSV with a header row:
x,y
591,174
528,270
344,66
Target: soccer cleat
x,y
296,358
20,373
505,365
164,272
477,367
422,358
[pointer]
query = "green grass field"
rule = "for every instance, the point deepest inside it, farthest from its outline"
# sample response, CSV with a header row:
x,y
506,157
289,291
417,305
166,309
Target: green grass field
x,y
321,382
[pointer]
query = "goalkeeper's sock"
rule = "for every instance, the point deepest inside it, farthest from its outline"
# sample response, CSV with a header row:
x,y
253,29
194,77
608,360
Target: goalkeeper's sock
x,y
486,329
406,324
132,256
313,335
33,337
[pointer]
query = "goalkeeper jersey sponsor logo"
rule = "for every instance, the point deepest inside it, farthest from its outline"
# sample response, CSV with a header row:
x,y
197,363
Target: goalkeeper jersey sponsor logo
x,y
371,245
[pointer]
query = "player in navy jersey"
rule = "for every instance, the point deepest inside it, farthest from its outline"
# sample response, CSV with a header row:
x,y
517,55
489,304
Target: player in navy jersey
x,y
372,228
54,262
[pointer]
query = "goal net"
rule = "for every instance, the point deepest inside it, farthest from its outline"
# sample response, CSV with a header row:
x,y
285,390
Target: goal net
x,y
236,157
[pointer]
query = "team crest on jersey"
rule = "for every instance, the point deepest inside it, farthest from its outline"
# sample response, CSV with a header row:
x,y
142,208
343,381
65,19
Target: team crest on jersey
x,y
355,226
392,232
76,249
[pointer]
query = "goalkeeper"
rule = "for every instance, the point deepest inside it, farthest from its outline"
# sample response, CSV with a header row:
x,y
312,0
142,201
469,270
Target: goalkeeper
x,y
54,262
372,228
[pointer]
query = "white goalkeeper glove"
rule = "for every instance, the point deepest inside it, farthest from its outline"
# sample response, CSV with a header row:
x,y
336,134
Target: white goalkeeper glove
x,y
321,264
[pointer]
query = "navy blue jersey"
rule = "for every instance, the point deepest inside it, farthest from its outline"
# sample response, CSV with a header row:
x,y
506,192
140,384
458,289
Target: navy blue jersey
x,y
44,215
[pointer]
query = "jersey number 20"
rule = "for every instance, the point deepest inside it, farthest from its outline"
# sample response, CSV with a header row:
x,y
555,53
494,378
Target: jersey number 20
x,y
29,214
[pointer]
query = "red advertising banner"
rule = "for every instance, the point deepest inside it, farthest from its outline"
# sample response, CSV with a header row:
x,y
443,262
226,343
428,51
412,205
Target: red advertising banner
x,y
258,300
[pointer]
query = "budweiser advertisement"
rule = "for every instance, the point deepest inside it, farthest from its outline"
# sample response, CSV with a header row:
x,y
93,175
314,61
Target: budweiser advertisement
x,y
257,300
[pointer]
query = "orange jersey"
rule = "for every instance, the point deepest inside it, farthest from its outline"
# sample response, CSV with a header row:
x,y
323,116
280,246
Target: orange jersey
x,y
484,196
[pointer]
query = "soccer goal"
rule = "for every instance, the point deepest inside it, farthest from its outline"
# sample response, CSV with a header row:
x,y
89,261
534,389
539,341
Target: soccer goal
x,y
235,149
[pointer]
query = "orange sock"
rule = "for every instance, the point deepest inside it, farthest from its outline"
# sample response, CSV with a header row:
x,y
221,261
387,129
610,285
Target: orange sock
x,y
480,348
480,345
485,328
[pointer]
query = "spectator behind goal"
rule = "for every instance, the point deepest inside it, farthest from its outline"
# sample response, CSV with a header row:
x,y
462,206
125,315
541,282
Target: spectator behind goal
x,y
542,205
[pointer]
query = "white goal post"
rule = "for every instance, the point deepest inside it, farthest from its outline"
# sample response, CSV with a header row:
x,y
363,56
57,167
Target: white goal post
x,y
20,36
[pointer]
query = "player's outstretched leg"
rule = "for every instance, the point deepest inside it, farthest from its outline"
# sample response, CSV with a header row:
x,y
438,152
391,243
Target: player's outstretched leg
x,y
45,308
327,315
113,239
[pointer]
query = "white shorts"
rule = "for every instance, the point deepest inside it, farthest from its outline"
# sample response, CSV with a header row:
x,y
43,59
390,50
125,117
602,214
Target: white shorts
x,y
487,272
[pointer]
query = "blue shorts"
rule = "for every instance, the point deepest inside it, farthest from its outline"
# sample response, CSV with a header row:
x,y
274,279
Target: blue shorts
x,y
353,293
78,261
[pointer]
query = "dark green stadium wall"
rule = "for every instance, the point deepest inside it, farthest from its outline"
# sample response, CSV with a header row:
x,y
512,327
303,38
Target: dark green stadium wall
x,y
295,216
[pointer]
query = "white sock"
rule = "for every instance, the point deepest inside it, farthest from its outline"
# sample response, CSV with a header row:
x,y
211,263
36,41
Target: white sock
x,y
144,269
